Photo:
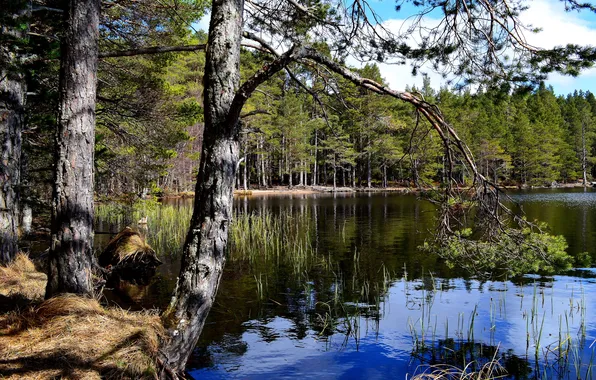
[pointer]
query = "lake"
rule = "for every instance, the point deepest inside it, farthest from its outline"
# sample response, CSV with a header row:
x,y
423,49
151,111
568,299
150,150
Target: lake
x,y
359,300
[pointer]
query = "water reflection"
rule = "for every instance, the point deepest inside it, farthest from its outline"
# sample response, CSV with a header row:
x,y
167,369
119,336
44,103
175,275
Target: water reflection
x,y
366,303
420,323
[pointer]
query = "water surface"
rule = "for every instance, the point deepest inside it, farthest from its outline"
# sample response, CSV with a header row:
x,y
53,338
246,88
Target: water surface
x,y
368,304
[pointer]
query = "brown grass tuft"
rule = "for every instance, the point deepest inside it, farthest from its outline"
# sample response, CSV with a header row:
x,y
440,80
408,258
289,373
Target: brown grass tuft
x,y
126,245
74,337
489,371
20,280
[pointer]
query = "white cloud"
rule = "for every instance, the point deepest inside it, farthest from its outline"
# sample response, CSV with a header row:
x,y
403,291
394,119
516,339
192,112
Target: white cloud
x,y
398,76
558,28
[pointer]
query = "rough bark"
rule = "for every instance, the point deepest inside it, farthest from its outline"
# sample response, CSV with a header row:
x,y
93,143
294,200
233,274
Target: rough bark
x,y
204,248
12,106
12,102
71,254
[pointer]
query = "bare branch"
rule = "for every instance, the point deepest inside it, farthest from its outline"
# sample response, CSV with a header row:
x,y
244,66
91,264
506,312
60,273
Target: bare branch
x,y
252,36
38,8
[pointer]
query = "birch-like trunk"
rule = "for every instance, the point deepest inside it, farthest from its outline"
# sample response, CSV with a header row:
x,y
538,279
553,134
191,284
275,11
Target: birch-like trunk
x,y
71,256
204,249
315,166
245,176
263,166
368,172
584,155
334,175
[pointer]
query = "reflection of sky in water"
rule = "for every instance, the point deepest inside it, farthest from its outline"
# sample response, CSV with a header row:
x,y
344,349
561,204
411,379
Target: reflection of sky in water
x,y
556,307
569,198
385,230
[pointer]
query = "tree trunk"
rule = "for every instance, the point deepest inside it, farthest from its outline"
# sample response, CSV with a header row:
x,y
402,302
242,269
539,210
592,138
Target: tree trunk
x,y
290,171
263,166
259,160
334,175
368,172
314,173
245,177
584,154
71,256
12,107
204,249
12,101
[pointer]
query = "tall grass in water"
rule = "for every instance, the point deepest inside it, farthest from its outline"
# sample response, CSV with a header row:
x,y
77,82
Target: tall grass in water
x,y
257,236
165,225
262,237
273,245
490,371
549,353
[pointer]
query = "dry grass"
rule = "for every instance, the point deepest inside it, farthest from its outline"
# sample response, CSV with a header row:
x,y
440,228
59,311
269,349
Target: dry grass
x,y
21,280
126,245
242,192
489,371
72,337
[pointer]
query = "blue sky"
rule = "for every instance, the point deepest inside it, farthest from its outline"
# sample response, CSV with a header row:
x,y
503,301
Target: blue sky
x,y
558,28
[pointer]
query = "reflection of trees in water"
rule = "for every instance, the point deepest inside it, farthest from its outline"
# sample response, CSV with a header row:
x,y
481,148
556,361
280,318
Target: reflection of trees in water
x,y
361,245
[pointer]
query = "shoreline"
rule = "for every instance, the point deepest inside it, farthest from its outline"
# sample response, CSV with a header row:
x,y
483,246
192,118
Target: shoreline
x,y
308,190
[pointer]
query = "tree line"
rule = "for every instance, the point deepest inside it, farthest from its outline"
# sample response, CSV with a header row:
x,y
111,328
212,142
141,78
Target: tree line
x,y
346,136
517,138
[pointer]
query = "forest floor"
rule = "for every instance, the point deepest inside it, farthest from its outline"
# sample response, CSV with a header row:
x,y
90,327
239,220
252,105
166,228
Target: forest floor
x,y
69,336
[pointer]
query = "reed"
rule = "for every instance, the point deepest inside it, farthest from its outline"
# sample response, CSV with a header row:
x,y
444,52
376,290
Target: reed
x,y
262,238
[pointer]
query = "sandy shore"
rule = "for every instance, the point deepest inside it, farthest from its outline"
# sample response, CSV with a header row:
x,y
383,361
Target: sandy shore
x,y
305,190
299,190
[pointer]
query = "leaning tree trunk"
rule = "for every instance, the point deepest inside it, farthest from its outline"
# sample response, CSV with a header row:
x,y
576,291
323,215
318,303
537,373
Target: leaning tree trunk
x,y
71,254
204,248
12,104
